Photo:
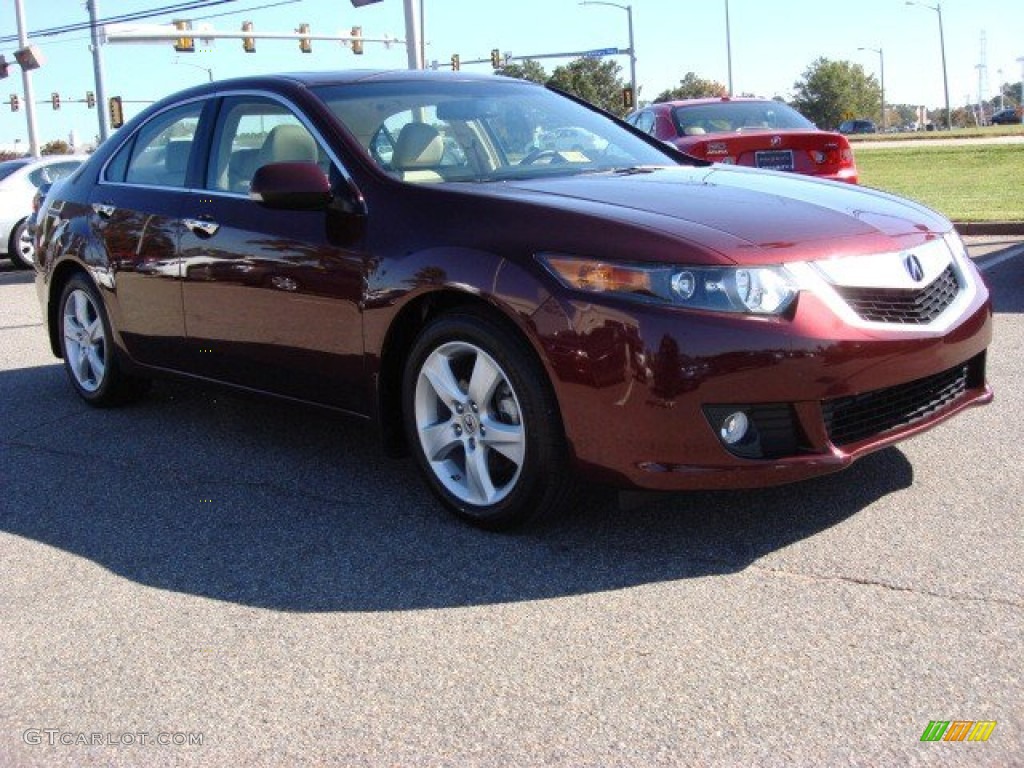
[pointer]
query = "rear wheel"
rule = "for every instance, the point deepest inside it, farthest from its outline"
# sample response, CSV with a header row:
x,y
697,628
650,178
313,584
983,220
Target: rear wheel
x,y
21,248
87,348
483,424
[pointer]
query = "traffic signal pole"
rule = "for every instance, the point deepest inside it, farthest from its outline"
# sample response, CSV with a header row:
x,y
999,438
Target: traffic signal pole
x,y
412,34
97,66
26,81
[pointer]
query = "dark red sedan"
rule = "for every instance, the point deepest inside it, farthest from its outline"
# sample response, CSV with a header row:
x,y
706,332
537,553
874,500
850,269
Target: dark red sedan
x,y
398,246
755,132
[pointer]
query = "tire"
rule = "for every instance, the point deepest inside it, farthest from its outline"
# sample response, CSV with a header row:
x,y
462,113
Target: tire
x,y
483,423
86,344
20,248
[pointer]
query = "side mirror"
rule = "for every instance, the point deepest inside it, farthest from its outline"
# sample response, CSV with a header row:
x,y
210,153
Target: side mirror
x,y
291,186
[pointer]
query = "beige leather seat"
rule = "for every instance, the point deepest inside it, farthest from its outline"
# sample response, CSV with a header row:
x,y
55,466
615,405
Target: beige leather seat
x,y
417,152
288,144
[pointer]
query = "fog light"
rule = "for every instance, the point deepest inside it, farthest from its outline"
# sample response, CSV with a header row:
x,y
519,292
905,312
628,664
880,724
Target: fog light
x,y
734,427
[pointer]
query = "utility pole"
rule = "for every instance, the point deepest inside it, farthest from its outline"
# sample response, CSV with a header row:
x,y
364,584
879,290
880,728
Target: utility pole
x,y
26,80
97,68
412,34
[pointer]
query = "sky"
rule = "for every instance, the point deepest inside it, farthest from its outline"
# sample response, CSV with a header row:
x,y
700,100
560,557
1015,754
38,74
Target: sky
x,y
773,43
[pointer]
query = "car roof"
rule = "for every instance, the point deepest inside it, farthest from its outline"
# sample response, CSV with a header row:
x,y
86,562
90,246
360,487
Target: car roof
x,y
714,100
349,76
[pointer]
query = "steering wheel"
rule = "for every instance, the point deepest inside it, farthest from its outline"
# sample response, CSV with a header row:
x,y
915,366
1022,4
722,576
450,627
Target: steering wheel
x,y
553,157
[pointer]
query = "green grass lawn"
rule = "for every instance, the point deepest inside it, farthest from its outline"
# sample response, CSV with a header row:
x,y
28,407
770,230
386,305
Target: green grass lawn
x,y
983,182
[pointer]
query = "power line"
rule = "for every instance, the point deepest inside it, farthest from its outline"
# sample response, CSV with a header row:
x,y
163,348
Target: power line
x,y
193,5
245,10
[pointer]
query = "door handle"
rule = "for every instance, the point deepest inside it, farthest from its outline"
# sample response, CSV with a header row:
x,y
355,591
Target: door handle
x,y
202,227
104,210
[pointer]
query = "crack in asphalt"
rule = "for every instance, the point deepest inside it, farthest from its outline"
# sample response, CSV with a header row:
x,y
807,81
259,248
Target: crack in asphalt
x,y
866,582
12,440
16,327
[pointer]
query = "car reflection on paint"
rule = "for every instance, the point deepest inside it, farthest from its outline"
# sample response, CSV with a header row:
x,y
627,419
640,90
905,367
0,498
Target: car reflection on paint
x,y
394,246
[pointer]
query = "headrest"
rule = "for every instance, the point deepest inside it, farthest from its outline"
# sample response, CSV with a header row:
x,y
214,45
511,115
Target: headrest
x,y
288,144
419,146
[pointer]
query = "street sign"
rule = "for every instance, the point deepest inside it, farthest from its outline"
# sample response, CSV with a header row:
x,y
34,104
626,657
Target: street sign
x,y
599,52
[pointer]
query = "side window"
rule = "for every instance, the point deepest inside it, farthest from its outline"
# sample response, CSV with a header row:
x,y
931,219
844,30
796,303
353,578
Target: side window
x,y
251,132
161,150
645,122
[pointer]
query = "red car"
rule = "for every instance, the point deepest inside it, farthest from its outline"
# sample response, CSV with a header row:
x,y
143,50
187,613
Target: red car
x,y
395,246
755,132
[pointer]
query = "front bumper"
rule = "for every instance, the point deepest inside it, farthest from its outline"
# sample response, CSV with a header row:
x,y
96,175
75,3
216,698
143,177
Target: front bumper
x,y
639,388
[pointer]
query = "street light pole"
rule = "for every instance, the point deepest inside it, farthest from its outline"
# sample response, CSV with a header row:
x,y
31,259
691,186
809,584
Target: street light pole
x,y
26,81
632,48
881,75
1021,105
942,45
97,68
728,44
412,34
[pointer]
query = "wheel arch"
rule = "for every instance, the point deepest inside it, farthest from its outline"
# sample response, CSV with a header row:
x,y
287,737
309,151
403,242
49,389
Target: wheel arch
x,y
62,274
406,327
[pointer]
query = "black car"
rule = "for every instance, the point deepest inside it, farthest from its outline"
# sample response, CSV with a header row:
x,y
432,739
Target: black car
x,y
857,126
1008,116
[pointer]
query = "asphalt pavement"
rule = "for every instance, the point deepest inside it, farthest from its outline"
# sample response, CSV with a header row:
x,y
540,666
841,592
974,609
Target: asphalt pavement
x,y
211,579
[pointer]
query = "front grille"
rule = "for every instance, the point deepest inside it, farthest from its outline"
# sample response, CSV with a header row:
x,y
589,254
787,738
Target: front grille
x,y
851,419
900,305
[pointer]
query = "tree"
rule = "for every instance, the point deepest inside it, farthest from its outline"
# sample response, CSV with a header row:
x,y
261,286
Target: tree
x,y
528,70
55,147
592,80
692,87
833,91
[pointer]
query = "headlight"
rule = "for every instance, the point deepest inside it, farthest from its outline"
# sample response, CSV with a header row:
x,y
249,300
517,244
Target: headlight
x,y
752,290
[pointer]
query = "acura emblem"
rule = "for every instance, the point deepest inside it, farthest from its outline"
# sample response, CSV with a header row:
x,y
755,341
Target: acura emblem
x,y
913,266
776,140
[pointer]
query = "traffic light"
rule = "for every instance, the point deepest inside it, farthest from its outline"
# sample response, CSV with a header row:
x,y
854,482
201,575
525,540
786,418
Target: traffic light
x,y
184,44
55,100
455,62
90,99
627,98
116,112
15,102
495,58
248,43
357,40
305,44
4,66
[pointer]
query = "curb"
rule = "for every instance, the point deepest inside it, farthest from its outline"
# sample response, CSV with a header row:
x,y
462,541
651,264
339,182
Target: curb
x,y
968,228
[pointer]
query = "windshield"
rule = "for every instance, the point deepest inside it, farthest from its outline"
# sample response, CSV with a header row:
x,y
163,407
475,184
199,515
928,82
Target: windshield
x,y
732,116
434,131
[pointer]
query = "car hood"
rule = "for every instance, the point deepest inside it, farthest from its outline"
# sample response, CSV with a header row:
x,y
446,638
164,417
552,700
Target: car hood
x,y
744,215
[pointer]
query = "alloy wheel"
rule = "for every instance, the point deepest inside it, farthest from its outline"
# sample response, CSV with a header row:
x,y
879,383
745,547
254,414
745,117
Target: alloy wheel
x,y
469,423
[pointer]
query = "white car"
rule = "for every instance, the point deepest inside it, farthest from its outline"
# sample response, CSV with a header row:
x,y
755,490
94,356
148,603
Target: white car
x,y
19,180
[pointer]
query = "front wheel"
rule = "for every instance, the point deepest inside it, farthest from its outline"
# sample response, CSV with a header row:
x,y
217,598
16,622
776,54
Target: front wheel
x,y
87,348
21,247
483,423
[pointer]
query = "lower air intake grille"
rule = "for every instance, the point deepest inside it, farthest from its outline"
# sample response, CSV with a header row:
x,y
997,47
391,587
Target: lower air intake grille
x,y
851,419
899,305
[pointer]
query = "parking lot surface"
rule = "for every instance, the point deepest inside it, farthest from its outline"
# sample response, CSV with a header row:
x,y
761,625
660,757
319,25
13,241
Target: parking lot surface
x,y
211,579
